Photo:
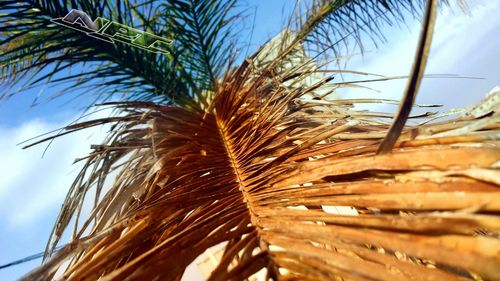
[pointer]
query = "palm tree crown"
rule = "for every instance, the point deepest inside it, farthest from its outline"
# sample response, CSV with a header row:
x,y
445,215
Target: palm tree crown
x,y
209,152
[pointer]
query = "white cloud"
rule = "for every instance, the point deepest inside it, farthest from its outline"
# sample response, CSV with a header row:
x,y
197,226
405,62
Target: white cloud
x,y
31,186
463,44
459,36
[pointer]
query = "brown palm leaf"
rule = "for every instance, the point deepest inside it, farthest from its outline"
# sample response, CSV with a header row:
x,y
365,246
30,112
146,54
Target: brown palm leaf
x,y
288,181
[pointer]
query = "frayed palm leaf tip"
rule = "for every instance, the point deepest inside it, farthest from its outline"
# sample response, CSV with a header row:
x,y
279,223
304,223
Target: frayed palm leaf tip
x,y
284,183
261,168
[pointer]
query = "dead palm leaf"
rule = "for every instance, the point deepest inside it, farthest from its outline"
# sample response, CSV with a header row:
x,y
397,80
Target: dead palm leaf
x,y
259,172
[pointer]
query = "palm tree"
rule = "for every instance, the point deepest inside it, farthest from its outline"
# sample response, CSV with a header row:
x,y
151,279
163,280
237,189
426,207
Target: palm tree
x,y
250,157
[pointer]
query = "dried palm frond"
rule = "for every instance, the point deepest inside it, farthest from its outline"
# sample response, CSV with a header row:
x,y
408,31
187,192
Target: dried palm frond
x,y
259,172
265,162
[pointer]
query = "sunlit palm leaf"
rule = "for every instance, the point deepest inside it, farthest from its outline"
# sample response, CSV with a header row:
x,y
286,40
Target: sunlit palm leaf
x,y
258,168
259,173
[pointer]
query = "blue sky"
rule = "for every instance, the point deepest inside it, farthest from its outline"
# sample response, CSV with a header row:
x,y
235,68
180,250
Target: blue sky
x,y
32,188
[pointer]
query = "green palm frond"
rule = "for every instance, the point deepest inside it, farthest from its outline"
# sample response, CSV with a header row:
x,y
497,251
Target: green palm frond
x,y
336,24
204,43
336,19
35,48
205,31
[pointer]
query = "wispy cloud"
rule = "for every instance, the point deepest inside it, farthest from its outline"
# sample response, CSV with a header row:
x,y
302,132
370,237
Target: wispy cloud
x,y
31,186
463,44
